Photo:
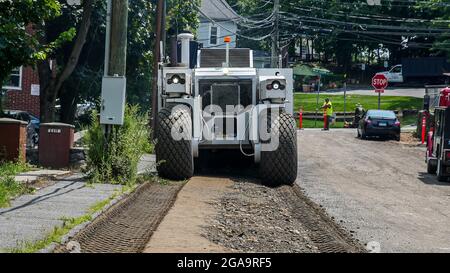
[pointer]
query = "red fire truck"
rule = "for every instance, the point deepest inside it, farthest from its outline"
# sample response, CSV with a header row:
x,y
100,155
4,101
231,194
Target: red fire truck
x,y
438,141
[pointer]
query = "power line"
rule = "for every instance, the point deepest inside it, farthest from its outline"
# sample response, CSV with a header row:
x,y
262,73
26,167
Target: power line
x,y
369,16
316,25
389,27
231,31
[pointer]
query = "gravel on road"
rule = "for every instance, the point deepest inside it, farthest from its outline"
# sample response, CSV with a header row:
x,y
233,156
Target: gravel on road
x,y
255,218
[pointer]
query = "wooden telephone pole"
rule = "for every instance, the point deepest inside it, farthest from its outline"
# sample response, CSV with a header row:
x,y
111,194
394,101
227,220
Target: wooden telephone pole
x,y
275,35
115,48
156,57
118,43
116,38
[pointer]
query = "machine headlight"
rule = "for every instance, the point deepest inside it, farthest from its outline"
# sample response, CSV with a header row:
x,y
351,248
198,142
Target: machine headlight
x,y
176,79
276,85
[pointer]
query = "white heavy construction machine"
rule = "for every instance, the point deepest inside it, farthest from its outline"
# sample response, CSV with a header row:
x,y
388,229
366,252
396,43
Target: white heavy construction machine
x,y
220,101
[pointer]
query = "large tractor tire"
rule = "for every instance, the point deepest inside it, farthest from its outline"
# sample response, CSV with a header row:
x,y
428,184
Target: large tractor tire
x,y
279,167
174,157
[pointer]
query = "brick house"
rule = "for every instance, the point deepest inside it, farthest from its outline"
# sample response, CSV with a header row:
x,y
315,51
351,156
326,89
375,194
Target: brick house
x,y
22,90
22,87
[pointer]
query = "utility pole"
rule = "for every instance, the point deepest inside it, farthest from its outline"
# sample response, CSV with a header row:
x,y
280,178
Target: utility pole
x,y
276,34
118,44
156,57
114,76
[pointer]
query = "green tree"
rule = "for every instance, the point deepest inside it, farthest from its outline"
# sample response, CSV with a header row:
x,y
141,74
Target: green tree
x,y
182,15
440,11
17,46
67,57
84,84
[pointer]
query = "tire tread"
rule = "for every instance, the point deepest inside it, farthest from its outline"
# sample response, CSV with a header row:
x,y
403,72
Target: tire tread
x,y
174,158
279,167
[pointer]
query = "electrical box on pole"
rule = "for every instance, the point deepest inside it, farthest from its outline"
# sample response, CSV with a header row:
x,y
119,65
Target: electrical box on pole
x,y
113,100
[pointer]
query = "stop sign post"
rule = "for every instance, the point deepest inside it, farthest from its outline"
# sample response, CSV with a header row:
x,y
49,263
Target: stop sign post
x,y
379,82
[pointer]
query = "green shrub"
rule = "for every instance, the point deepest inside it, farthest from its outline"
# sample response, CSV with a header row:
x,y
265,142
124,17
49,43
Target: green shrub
x,y
115,160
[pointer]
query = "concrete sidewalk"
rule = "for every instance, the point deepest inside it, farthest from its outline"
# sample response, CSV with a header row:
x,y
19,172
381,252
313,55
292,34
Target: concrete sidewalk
x,y
147,164
41,174
32,217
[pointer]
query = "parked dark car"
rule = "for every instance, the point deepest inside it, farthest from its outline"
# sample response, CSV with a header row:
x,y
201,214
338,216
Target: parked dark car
x,y
25,116
379,123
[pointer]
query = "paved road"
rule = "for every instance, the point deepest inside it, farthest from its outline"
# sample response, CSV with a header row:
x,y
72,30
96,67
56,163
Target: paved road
x,y
391,91
32,217
378,189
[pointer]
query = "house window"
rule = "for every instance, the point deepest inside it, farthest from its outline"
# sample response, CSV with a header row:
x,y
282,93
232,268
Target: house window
x,y
213,35
14,81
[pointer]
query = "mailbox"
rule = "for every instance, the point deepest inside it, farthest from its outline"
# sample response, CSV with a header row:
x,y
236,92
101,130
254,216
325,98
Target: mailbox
x,y
55,142
13,139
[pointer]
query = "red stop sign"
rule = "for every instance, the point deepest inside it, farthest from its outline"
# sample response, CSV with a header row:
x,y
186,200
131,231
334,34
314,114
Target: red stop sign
x,y
379,82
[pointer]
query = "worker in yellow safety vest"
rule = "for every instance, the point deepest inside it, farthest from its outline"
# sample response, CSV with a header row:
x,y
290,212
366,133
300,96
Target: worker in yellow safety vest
x,y
327,113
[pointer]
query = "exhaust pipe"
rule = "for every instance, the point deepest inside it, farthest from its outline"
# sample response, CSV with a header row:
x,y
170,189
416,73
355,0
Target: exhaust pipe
x,y
173,51
185,39
227,41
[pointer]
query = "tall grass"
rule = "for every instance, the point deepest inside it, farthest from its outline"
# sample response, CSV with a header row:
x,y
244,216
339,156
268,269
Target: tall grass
x,y
115,160
9,188
8,168
308,102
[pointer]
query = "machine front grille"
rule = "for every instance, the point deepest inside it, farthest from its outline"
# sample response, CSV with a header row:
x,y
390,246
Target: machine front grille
x,y
225,92
225,95
215,57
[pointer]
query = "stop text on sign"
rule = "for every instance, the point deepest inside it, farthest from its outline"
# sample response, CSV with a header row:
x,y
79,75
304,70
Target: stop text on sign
x,y
379,82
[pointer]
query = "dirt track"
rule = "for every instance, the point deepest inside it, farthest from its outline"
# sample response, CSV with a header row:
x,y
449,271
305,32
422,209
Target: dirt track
x,y
225,208
181,229
379,190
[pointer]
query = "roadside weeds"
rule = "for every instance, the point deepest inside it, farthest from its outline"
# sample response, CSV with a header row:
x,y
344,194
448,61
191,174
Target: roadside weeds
x,y
9,188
